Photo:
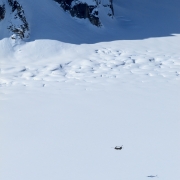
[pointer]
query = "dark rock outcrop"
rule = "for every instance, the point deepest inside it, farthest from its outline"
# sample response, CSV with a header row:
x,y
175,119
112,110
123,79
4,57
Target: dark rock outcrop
x,y
110,6
2,12
80,9
18,24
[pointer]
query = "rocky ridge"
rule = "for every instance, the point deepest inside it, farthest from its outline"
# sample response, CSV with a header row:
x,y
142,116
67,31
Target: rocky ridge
x,y
12,12
87,9
2,11
15,20
18,24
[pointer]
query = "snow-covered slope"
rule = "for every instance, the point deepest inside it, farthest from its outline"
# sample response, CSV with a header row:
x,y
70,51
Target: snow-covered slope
x,y
46,57
72,90
16,14
131,20
44,62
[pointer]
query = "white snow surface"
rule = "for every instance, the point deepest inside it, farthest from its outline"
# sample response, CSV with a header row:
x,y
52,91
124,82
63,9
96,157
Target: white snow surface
x,y
46,61
73,91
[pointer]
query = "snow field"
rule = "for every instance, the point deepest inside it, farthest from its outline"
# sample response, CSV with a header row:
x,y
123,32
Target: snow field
x,y
64,104
61,62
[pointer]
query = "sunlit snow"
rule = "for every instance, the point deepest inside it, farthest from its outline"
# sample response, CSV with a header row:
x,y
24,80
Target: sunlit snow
x,y
72,91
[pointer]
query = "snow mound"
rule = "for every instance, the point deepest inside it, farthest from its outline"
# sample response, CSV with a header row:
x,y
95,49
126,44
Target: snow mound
x,y
98,63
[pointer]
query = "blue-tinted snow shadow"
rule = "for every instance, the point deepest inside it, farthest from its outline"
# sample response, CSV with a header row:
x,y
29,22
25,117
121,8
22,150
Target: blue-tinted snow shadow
x,y
134,20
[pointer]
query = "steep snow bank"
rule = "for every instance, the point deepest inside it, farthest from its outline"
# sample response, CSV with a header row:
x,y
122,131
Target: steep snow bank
x,y
132,20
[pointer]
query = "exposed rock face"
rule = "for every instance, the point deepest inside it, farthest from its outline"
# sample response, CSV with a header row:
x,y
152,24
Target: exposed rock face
x,y
2,12
16,20
12,15
18,24
109,4
86,9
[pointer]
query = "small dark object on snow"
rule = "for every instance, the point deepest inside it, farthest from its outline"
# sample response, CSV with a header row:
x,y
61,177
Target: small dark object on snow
x,y
151,176
118,147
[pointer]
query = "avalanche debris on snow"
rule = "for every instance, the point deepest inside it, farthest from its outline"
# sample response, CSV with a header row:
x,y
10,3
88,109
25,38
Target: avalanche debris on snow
x,y
105,63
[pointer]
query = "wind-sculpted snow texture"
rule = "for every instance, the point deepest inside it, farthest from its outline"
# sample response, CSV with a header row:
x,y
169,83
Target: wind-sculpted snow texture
x,y
87,9
89,64
45,61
